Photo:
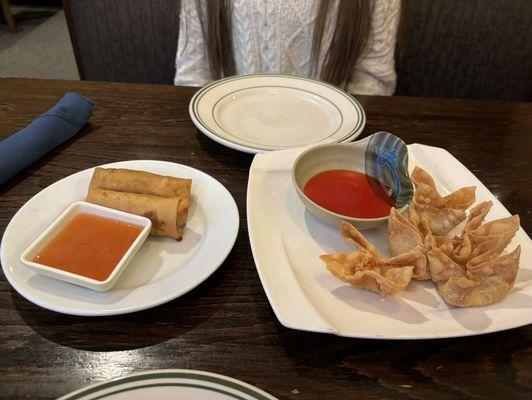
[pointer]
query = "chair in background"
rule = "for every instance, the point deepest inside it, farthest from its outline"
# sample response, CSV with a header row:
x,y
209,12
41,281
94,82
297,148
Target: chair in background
x,y
124,40
4,4
480,49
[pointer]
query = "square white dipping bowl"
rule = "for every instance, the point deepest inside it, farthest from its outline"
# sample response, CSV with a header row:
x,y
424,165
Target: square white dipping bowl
x,y
93,209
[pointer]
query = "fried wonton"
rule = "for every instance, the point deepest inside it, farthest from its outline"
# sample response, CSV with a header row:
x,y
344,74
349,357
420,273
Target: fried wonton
x,y
414,257
441,220
477,215
403,235
484,241
409,234
461,247
367,269
361,270
486,283
441,213
468,269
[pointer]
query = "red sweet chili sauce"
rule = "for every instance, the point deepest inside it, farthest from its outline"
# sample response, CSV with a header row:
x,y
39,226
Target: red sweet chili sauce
x,y
348,193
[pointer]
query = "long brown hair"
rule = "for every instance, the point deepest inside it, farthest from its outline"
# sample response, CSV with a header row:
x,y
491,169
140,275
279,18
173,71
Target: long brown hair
x,y
351,30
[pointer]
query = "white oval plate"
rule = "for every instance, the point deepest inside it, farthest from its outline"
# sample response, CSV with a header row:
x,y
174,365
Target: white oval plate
x,y
162,270
170,384
255,113
287,240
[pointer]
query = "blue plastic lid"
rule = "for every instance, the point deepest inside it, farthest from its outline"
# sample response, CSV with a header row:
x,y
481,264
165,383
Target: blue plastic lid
x,y
387,161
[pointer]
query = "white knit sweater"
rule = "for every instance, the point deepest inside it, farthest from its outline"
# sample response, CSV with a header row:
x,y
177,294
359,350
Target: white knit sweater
x,y
275,36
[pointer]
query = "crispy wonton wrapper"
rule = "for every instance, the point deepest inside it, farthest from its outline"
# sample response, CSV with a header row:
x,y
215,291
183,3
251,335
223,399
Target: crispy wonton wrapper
x,y
405,234
409,234
478,242
477,215
442,213
487,283
468,270
367,269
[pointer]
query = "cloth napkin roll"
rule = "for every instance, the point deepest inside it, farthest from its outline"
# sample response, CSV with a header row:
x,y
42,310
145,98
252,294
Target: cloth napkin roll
x,y
54,127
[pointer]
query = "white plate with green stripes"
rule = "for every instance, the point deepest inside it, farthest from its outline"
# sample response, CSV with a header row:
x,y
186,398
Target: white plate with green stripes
x,y
257,113
170,384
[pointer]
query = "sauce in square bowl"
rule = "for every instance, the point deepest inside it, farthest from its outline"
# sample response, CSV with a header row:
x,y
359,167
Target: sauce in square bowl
x,y
89,245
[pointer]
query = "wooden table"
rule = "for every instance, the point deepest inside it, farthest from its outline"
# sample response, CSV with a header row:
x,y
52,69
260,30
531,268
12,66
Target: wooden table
x,y
226,324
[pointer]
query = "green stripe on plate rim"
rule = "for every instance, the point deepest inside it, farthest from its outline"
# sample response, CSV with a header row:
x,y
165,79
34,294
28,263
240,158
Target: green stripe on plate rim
x,y
168,375
197,97
129,389
276,86
356,104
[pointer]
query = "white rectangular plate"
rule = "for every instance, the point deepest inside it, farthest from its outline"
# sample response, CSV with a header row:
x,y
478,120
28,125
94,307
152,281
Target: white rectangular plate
x,y
286,241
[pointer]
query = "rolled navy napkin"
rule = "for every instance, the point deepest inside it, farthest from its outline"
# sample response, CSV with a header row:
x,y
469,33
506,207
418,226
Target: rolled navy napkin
x,y
55,126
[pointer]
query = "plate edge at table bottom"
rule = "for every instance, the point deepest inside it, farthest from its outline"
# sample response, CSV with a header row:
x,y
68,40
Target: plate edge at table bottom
x,y
156,374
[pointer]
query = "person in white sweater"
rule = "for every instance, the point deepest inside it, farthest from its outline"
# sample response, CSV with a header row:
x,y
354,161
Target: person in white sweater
x,y
349,43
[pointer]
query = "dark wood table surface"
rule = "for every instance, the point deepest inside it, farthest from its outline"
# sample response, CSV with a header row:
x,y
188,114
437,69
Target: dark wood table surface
x,y
226,325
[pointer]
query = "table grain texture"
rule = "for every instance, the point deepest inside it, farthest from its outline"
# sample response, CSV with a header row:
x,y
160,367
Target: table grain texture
x,y
226,325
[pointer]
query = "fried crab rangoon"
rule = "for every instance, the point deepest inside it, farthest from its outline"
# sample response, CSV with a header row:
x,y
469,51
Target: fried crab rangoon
x,y
442,213
469,269
479,285
367,269
409,234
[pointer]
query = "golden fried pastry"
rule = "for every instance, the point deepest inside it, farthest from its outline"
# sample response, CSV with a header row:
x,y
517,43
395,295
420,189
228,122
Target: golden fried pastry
x,y
165,200
442,213
407,235
486,283
468,270
367,269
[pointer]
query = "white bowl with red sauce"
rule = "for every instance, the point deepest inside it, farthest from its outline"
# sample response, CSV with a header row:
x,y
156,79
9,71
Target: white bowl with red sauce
x,y
87,245
331,182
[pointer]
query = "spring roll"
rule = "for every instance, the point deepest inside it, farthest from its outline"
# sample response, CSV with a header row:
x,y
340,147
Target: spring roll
x,y
167,214
141,182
